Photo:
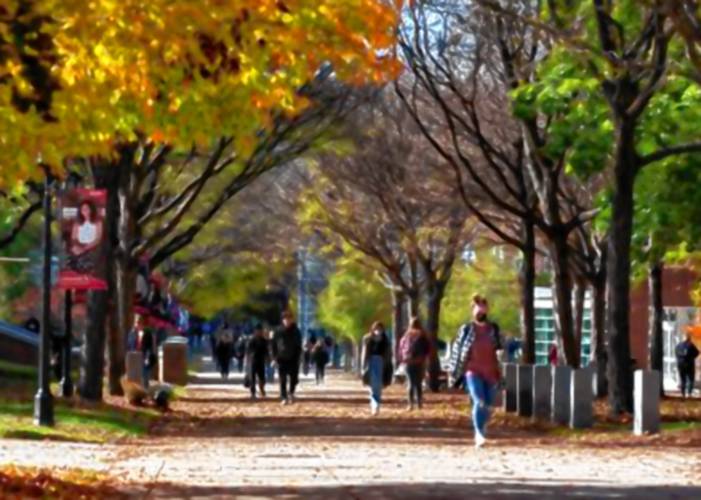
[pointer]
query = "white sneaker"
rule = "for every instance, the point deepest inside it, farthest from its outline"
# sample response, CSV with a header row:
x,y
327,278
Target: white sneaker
x,y
480,440
284,402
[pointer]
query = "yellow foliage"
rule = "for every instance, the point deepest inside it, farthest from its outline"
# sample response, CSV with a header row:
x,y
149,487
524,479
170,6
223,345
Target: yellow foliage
x,y
161,69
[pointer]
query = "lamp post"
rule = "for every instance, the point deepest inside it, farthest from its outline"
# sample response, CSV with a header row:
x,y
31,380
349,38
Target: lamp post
x,y
43,401
66,381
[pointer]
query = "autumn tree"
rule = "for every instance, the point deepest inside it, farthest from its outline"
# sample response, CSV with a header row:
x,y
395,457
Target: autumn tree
x,y
132,83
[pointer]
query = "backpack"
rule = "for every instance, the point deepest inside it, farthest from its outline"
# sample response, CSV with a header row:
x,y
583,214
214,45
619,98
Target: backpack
x,y
413,348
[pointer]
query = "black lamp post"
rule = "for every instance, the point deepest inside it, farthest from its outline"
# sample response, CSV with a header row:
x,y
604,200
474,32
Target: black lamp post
x,y
43,401
66,382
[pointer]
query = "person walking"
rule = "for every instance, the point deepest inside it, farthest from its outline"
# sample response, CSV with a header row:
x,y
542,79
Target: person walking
x,y
686,353
376,361
257,354
140,339
240,343
225,349
474,364
287,351
552,354
320,358
414,351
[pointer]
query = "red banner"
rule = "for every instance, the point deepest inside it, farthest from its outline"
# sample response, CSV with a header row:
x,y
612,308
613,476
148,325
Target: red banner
x,y
82,217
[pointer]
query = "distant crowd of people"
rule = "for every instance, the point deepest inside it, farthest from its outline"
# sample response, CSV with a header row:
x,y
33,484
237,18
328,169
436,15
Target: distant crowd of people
x,y
474,363
258,353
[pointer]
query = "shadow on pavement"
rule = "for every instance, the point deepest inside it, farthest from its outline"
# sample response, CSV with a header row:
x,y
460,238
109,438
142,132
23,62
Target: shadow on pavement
x,y
318,427
515,490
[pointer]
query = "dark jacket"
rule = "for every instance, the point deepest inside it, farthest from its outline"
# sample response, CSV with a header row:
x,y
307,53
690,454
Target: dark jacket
x,y
320,355
257,350
287,343
379,348
686,353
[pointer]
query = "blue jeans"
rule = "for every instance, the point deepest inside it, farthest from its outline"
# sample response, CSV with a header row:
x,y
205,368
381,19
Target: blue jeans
x,y
376,368
482,394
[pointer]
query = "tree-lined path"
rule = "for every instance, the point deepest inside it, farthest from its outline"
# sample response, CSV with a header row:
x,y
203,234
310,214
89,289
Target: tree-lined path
x,y
217,443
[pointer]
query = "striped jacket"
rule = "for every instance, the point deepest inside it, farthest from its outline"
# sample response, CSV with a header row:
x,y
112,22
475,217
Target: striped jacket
x,y
462,346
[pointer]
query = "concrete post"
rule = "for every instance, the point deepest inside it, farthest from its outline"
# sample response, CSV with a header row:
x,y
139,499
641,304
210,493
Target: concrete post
x,y
581,399
646,402
542,388
524,385
560,395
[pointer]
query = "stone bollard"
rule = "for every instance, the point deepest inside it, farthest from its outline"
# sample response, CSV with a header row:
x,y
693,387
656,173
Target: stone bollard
x,y
173,363
646,402
135,367
510,389
560,395
581,399
542,387
524,390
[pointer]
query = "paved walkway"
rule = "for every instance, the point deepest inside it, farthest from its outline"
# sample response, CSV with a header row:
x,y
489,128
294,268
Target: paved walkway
x,y
219,444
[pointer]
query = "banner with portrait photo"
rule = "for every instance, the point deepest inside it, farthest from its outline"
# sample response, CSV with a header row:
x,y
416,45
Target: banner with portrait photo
x,y
82,221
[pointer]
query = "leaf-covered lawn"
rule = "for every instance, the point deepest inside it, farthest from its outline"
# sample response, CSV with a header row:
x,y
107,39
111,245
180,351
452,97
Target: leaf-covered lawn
x,y
75,420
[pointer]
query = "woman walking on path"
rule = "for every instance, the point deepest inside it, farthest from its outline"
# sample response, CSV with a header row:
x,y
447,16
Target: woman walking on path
x,y
474,364
377,364
414,351
320,358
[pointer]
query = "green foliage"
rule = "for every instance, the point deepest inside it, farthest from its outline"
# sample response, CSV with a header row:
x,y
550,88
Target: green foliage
x,y
579,128
15,277
491,276
213,287
667,212
353,299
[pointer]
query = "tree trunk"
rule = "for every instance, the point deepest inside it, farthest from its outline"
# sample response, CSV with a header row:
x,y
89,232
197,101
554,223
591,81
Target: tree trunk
x,y
125,275
598,335
413,304
527,281
123,312
618,275
656,331
358,354
347,356
435,292
562,287
580,294
398,325
92,353
105,176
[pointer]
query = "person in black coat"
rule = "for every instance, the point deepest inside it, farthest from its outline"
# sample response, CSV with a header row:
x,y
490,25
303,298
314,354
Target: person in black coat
x,y
287,352
686,353
257,354
320,358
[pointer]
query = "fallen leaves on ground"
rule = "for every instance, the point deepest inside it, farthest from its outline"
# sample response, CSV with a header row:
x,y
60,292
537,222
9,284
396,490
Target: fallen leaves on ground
x,y
342,411
20,483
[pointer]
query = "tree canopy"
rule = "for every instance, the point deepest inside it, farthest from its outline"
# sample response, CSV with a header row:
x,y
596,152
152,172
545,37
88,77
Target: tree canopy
x,y
81,76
